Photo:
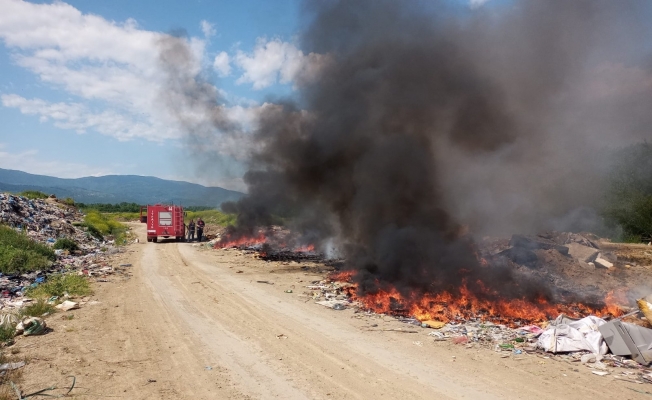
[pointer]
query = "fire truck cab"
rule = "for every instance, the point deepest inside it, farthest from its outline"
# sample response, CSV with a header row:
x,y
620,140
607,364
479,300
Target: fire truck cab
x,y
163,221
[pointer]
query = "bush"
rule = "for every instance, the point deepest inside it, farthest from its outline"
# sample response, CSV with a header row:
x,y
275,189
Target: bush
x,y
19,254
58,285
7,332
66,244
69,201
37,309
34,194
629,198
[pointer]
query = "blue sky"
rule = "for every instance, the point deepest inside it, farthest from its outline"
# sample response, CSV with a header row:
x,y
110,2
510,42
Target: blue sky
x,y
80,83
60,119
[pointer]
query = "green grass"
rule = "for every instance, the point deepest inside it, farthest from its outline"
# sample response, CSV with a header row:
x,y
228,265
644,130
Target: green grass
x,y
126,216
66,244
37,309
7,332
34,194
58,285
211,217
19,253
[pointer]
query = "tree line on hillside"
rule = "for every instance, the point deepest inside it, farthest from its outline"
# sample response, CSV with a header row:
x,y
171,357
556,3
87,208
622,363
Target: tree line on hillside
x,y
127,207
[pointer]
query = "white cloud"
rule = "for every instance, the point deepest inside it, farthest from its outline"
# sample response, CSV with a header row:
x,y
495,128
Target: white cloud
x,y
222,64
115,64
77,117
277,61
207,28
31,161
477,3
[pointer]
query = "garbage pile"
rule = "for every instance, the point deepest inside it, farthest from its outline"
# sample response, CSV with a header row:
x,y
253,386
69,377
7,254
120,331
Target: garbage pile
x,y
45,221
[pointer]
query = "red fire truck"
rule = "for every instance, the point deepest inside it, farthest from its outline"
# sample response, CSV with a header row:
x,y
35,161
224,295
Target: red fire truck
x,y
163,220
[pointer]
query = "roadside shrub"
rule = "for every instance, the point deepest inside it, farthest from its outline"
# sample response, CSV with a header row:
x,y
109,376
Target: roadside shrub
x,y
66,244
58,285
99,224
34,194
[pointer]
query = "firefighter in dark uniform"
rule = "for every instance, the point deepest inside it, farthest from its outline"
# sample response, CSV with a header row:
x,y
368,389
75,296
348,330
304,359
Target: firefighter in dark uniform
x,y
191,230
200,229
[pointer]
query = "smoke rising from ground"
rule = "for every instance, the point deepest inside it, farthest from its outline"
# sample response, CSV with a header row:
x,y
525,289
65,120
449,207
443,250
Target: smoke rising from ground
x,y
430,121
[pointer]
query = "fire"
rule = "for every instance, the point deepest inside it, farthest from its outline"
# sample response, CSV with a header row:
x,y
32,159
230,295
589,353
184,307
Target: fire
x,y
242,241
305,249
447,307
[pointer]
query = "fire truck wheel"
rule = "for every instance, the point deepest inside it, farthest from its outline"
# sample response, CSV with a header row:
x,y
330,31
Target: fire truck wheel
x,y
149,239
154,239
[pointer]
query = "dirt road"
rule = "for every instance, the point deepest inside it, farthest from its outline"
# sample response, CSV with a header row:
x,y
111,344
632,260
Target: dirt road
x,y
193,323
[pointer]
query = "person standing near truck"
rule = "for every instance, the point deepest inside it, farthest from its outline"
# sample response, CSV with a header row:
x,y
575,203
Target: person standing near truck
x,y
191,230
200,229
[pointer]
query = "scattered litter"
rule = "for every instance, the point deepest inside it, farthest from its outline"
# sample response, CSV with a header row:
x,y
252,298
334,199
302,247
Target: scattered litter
x,y
601,373
334,304
460,340
31,326
208,368
417,343
281,336
151,380
267,282
67,306
12,366
288,291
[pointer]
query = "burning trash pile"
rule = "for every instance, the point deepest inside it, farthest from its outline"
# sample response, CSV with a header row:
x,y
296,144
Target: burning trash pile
x,y
606,346
272,244
45,221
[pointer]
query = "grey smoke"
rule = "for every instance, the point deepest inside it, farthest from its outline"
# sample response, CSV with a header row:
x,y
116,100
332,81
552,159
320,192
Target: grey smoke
x,y
431,121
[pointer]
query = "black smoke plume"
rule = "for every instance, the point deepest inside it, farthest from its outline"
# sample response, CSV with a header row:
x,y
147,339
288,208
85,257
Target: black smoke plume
x,y
431,120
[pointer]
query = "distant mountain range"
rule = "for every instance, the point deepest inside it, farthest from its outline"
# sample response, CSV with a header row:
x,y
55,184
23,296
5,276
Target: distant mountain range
x,y
118,188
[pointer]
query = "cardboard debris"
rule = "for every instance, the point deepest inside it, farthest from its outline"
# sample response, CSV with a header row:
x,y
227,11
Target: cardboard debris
x,y
645,305
433,324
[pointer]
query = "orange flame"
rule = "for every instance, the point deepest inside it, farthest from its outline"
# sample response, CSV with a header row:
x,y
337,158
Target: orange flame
x,y
242,241
305,249
465,305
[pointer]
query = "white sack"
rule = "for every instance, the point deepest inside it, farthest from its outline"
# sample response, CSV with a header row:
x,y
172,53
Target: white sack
x,y
567,335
